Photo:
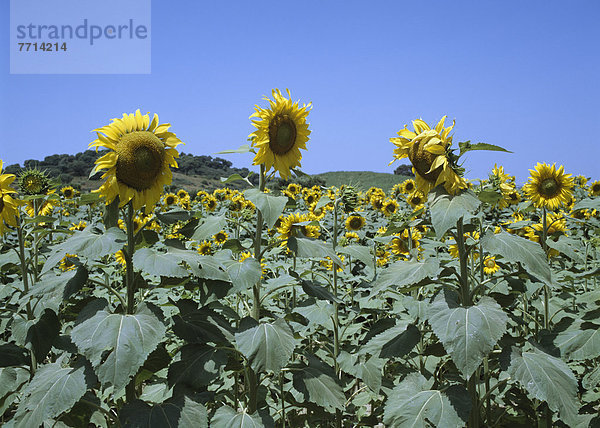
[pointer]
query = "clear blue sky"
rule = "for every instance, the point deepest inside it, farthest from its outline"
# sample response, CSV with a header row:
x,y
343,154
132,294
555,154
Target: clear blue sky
x,y
521,74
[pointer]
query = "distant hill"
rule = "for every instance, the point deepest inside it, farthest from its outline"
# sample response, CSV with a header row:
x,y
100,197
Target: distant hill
x,y
196,173
362,179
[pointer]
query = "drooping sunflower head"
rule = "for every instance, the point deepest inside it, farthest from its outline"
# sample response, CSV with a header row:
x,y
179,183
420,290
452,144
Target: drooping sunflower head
x,y
489,266
33,181
281,131
429,152
549,187
138,162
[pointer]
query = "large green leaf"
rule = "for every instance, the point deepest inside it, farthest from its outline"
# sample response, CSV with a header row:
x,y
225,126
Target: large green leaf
x,y
359,252
41,335
12,380
200,325
153,262
319,314
317,383
244,275
446,210
375,344
412,404
270,206
588,203
125,339
568,246
404,273
467,146
52,290
268,346
312,248
468,334
548,379
12,355
52,391
91,243
209,227
226,417
180,412
199,365
580,342
173,216
515,249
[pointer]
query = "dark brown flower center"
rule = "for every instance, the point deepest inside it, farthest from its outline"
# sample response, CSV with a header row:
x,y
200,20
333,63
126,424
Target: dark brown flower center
x,y
282,134
422,160
141,155
549,188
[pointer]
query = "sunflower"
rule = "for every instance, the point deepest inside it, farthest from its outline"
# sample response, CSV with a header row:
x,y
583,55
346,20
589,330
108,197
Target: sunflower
x,y
294,188
328,264
281,132
470,237
205,248
400,244
78,226
220,237
355,222
429,152
416,199
8,205
377,203
182,194
43,208
409,186
33,181
66,263
352,236
549,187
390,206
120,257
210,203
289,225
137,163
489,266
595,188
68,192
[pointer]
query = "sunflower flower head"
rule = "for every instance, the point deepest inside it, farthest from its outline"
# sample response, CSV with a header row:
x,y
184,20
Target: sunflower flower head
x,y
140,154
33,181
8,205
549,187
429,152
281,131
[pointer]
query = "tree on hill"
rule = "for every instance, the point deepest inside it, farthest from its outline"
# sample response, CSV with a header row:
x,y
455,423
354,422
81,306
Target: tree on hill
x,y
404,169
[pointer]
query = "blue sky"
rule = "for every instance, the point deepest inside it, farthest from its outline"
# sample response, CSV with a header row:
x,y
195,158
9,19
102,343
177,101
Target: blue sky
x,y
523,75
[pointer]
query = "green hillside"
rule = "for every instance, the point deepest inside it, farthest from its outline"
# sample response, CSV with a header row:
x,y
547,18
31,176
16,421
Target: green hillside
x,y
362,179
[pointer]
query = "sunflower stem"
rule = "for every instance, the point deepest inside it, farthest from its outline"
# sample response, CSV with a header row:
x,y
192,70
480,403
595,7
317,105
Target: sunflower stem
x,y
24,273
257,239
336,321
130,393
546,288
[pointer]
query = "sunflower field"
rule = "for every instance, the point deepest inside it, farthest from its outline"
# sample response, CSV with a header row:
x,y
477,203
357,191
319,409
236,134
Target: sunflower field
x,y
443,302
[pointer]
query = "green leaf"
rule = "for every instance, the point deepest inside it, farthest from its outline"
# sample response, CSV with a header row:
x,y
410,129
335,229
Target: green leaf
x,y
173,216
319,314
179,412
548,379
591,379
52,290
446,210
235,177
588,203
570,247
375,344
41,335
200,364
52,391
404,273
466,146
244,148
402,344
12,355
39,219
579,342
313,289
89,198
127,340
412,404
153,262
226,417
517,249
91,243
489,196
468,334
270,206
359,252
209,227
12,380
244,275
317,383
312,248
268,346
